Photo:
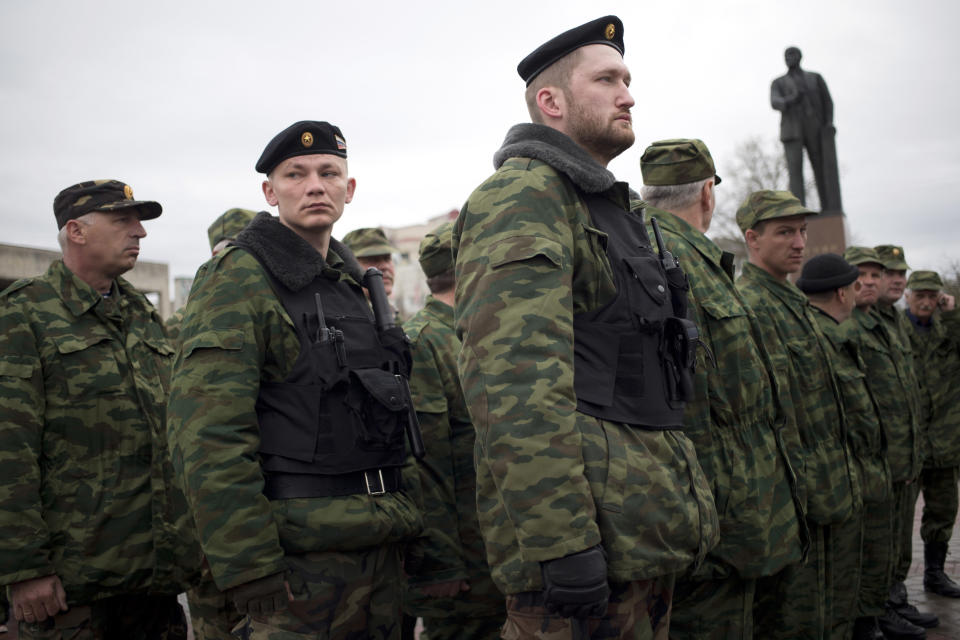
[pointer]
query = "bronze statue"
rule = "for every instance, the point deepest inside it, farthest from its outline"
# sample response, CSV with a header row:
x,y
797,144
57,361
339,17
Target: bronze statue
x,y
806,120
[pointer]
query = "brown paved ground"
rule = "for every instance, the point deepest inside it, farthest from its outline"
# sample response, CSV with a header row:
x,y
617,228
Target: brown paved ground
x,y
948,609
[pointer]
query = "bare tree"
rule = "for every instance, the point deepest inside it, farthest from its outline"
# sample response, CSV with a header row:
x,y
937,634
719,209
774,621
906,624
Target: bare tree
x,y
950,273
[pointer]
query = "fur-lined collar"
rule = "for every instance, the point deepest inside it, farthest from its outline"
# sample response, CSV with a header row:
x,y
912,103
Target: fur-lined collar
x,y
290,258
559,151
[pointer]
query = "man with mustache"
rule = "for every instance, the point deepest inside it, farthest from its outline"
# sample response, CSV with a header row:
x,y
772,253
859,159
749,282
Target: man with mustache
x,y
97,540
937,350
590,497
894,385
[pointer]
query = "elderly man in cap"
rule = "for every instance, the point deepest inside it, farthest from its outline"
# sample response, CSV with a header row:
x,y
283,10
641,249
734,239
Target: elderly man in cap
x,y
590,497
801,602
831,284
451,590
894,386
937,351
288,409
717,601
372,249
96,541
221,231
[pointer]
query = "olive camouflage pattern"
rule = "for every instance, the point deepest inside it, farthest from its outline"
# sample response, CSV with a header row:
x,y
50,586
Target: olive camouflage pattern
x,y
889,359
236,334
734,417
453,546
552,481
937,357
808,392
88,491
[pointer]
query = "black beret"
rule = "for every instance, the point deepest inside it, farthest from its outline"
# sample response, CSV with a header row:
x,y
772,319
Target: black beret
x,y
826,272
606,30
303,138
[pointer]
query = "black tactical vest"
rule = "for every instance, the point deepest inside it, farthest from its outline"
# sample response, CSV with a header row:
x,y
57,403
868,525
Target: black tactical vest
x,y
631,363
335,425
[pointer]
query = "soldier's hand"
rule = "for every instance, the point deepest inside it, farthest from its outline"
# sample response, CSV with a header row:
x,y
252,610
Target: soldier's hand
x,y
38,599
575,586
262,596
447,589
946,302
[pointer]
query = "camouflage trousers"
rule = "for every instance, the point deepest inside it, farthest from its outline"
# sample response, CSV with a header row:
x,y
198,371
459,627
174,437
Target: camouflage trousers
x,y
451,628
940,501
638,610
717,609
906,506
794,602
347,595
845,554
126,617
211,612
876,567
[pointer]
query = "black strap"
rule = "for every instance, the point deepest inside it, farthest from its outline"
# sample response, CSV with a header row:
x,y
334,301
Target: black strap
x,y
375,482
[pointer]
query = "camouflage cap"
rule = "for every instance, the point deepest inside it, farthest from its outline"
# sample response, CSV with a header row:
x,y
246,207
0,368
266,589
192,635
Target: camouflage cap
x,y
677,161
228,225
892,257
606,30
368,242
304,138
100,195
861,255
436,253
767,205
826,272
925,281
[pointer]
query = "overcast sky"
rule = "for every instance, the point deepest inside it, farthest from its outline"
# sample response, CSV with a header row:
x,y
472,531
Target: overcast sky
x,y
179,98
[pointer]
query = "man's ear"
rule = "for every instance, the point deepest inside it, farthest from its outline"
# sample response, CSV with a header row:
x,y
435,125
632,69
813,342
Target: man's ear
x,y
550,101
268,193
76,232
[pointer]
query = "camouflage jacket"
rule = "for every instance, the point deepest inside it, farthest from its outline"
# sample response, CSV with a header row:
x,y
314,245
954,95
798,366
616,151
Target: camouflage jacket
x,y
865,438
937,358
808,392
552,481
453,546
235,335
172,326
734,420
87,485
895,389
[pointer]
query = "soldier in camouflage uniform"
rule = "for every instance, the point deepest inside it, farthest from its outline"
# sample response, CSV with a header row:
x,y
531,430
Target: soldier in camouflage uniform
x,y
451,589
894,386
287,413
590,496
372,249
224,229
211,613
774,224
937,351
97,542
732,417
831,284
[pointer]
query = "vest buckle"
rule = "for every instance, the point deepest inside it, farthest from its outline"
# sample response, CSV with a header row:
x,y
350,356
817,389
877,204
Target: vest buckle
x,y
370,481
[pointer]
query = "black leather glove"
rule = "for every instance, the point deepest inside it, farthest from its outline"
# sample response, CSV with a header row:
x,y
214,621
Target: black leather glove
x,y
575,586
261,596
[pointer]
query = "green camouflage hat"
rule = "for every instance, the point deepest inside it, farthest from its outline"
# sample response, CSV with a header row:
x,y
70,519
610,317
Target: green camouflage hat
x,y
767,205
861,255
678,161
228,225
436,255
924,281
892,257
368,242
100,195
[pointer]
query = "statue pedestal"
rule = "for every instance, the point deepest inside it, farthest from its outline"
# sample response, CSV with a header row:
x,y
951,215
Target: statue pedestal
x,y
826,233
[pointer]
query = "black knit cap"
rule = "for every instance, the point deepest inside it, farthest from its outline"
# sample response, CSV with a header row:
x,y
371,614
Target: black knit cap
x,y
303,138
606,30
826,272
